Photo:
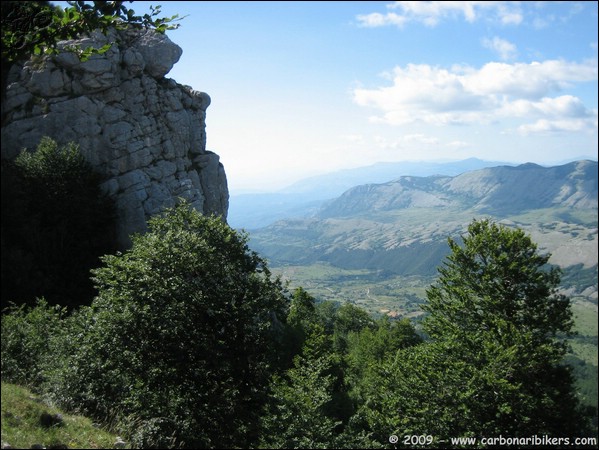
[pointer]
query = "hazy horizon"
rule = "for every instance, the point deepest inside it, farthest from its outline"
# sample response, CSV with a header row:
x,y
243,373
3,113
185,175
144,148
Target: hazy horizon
x,y
304,88
284,187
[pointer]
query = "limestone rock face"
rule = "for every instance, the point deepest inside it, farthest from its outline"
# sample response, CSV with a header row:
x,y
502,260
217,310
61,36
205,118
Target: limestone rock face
x,y
144,132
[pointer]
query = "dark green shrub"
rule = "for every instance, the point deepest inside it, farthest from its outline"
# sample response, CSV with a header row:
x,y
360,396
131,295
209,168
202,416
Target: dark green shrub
x,y
182,335
56,223
26,341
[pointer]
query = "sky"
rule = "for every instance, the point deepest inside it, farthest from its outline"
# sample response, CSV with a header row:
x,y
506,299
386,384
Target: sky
x,y
304,88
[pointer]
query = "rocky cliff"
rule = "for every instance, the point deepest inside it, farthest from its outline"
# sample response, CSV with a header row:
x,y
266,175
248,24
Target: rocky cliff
x,y
144,132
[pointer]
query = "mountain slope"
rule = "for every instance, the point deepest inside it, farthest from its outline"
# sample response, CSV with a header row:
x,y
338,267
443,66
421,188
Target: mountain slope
x,y
496,190
402,226
251,211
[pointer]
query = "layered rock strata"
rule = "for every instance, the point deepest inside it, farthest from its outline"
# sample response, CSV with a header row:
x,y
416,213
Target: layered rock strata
x,y
144,132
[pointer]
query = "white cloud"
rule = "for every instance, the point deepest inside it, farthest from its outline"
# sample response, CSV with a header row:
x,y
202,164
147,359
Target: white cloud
x,y
562,106
530,80
572,125
458,144
496,91
378,20
505,49
431,13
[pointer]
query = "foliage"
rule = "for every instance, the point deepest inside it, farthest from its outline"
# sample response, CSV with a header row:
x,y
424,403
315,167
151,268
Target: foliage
x,y
33,28
184,329
299,411
192,343
495,364
56,223
314,401
586,381
26,336
349,319
497,281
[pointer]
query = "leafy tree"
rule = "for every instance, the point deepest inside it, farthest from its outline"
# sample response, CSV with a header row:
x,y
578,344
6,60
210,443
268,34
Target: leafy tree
x,y
298,415
36,27
56,223
499,299
349,319
370,348
300,322
495,283
302,311
495,364
183,335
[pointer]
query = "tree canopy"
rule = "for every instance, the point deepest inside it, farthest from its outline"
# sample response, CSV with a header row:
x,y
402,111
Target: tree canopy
x,y
56,223
495,361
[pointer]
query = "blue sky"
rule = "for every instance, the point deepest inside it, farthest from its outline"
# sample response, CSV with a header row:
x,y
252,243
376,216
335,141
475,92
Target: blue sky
x,y
303,88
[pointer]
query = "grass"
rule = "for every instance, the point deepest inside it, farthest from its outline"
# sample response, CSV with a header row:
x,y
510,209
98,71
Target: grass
x,y
585,317
375,291
22,428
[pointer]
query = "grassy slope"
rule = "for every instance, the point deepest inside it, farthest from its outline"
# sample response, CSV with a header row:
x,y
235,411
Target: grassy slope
x,y
21,427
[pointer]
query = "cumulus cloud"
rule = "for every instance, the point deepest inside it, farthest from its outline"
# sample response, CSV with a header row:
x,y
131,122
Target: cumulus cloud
x,y
379,20
505,49
562,106
431,13
546,126
496,91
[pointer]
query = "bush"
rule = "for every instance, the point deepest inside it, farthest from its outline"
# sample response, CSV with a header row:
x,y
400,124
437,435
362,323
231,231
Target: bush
x,y
56,223
182,336
26,341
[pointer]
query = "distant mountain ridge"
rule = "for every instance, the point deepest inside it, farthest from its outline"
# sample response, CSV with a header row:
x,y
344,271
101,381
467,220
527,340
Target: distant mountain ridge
x,y
251,211
495,190
402,226
333,184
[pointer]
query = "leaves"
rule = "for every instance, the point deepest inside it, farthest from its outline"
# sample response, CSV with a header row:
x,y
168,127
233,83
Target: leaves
x,y
495,363
35,28
182,330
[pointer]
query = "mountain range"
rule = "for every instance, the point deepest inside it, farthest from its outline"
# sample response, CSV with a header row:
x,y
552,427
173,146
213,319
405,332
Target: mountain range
x,y
305,197
402,226
497,190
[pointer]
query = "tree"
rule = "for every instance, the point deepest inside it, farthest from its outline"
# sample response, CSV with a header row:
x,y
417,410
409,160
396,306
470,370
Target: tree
x,y
183,334
495,363
298,414
56,223
36,27
498,283
349,319
369,349
497,302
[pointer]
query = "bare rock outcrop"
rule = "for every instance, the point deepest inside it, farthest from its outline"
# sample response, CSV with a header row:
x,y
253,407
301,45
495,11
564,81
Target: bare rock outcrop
x,y
144,132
